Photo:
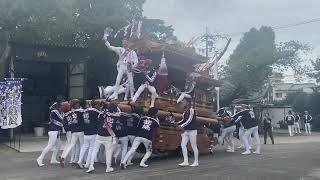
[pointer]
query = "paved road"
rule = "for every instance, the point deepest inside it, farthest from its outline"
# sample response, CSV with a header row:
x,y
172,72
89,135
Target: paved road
x,y
292,161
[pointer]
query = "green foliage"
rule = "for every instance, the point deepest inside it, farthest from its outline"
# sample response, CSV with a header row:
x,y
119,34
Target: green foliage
x,y
71,22
77,23
283,124
280,103
34,20
253,60
249,65
288,54
298,100
316,66
301,101
158,30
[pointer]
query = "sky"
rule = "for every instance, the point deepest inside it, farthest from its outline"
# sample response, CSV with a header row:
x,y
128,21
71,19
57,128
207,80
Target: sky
x,y
190,17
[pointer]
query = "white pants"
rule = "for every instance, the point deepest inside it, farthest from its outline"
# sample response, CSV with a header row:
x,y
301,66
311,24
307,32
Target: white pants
x,y
247,135
137,141
290,129
151,89
227,136
182,96
53,145
101,156
77,149
122,70
189,135
107,143
74,151
307,128
68,141
297,127
87,146
216,135
109,90
241,134
76,136
131,139
123,148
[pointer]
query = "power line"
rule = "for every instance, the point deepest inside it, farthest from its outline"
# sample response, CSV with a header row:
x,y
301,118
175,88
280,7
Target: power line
x,y
286,26
297,24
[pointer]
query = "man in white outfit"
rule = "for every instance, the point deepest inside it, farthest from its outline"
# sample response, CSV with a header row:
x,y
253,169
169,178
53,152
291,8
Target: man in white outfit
x,y
66,127
75,122
122,135
247,118
189,90
108,92
297,123
307,118
188,125
146,129
133,129
227,130
55,128
241,130
241,134
106,136
148,83
90,118
128,59
290,121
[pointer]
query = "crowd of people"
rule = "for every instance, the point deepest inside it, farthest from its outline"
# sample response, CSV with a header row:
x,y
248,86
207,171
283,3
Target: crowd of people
x,y
102,132
242,121
294,120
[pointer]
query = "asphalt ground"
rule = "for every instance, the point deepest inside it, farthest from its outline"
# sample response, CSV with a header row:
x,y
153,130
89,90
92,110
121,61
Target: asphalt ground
x,y
292,158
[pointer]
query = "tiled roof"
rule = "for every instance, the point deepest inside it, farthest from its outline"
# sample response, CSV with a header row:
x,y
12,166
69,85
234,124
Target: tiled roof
x,y
50,44
292,86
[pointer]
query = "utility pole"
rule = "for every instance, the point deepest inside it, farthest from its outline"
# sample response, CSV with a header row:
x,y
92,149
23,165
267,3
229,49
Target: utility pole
x,y
217,78
11,70
206,37
208,40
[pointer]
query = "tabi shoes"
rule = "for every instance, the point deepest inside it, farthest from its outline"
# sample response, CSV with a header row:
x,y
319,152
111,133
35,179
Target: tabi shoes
x,y
246,153
39,162
184,164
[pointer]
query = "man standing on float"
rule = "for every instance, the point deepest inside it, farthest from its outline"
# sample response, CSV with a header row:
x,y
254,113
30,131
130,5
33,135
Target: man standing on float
x,y
127,60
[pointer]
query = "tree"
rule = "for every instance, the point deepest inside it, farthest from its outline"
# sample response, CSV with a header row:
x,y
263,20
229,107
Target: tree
x,y
252,62
157,29
316,67
72,22
301,101
298,100
32,21
77,23
248,66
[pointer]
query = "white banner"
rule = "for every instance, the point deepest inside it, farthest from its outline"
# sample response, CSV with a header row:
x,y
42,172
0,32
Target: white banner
x,y
13,104
3,94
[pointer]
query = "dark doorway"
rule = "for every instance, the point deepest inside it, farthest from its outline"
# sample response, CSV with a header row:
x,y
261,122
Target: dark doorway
x,y
46,82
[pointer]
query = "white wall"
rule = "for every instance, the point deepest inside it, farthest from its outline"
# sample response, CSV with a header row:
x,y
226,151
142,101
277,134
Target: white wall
x,y
307,90
283,97
276,114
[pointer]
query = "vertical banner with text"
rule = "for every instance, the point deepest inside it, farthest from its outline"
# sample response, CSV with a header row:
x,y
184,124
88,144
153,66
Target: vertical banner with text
x,y
13,104
3,94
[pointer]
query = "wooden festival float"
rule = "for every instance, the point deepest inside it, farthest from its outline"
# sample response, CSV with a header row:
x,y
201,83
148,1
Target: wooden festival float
x,y
181,62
